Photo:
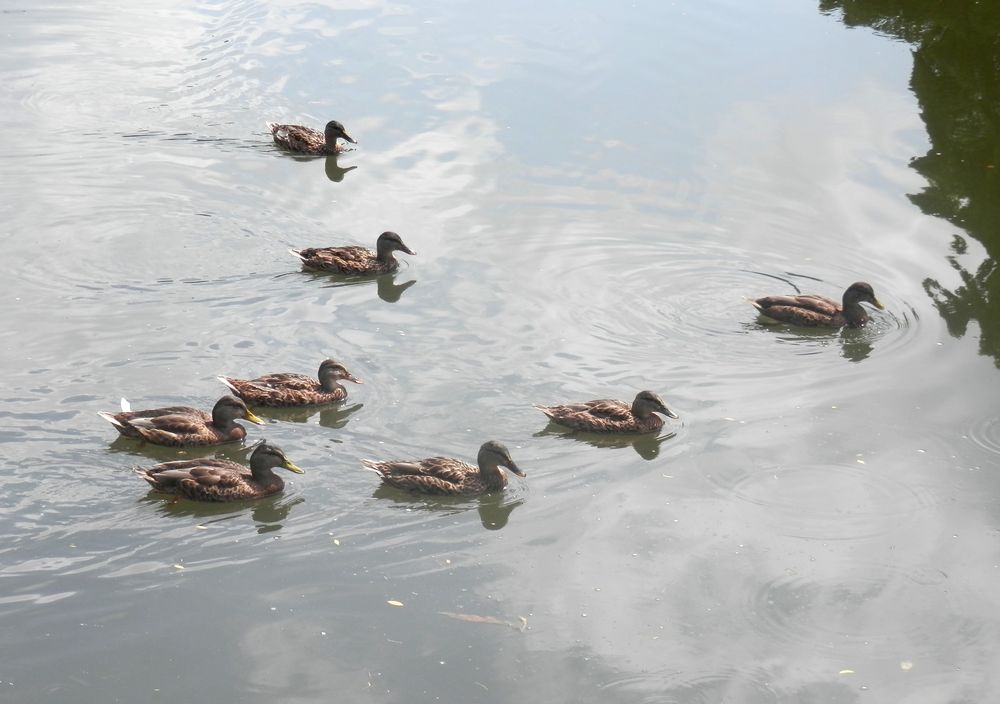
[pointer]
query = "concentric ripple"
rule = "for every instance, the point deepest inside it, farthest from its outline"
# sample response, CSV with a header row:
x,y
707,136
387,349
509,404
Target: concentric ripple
x,y
985,432
867,605
828,501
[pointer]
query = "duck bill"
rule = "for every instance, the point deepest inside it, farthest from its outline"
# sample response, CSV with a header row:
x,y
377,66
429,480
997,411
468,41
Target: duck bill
x,y
254,418
408,250
515,469
878,304
292,467
349,138
669,414
354,379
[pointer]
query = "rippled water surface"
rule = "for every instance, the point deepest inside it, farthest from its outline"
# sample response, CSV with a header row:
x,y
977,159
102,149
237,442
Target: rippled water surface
x,y
593,191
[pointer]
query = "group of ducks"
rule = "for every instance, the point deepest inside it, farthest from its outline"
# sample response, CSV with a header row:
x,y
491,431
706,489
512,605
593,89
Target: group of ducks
x,y
225,480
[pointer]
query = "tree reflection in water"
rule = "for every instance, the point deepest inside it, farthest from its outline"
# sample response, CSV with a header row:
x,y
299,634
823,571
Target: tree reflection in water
x,y
956,80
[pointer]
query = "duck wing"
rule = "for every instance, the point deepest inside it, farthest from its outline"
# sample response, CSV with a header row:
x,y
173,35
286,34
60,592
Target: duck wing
x,y
352,258
434,475
297,382
298,138
608,409
805,302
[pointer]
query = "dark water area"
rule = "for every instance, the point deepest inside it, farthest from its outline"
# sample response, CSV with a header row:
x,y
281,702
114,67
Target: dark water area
x,y
593,192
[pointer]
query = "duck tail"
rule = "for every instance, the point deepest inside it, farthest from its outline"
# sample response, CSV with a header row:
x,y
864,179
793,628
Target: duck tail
x,y
297,253
373,466
228,383
141,471
111,419
544,409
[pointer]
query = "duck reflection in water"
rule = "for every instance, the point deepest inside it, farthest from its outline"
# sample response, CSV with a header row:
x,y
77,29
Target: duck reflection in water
x,y
269,513
330,416
386,287
494,509
647,446
855,345
331,165
334,171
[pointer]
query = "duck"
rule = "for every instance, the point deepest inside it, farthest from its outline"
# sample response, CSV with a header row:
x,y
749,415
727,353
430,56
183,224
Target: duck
x,y
285,389
306,140
221,480
445,476
181,426
354,259
612,416
810,310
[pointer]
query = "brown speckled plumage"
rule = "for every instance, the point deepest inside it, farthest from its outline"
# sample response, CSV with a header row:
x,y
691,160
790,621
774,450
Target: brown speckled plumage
x,y
612,416
306,140
284,390
353,259
221,480
447,476
810,310
179,426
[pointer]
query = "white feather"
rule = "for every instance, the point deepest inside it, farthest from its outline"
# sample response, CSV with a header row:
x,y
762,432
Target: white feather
x,y
110,418
225,381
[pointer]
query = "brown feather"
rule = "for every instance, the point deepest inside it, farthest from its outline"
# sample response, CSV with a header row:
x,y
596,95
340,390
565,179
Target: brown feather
x,y
445,476
285,390
811,310
179,426
302,139
346,260
220,480
602,416
289,390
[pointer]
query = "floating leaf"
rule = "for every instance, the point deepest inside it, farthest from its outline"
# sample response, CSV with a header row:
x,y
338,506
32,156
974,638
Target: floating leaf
x,y
393,602
475,618
846,672
178,567
906,665
202,527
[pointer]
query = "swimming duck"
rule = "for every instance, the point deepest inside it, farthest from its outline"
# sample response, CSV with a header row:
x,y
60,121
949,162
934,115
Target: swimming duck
x,y
221,480
178,426
612,416
447,476
287,389
819,311
306,140
354,259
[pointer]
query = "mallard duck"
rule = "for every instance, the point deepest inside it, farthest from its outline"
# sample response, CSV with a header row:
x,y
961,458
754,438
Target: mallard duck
x,y
447,476
221,480
286,389
354,259
612,416
182,425
820,311
306,140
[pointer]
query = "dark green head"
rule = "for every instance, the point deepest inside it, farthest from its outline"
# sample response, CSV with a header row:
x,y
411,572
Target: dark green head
x,y
861,292
647,402
494,454
391,242
229,408
267,456
334,130
332,371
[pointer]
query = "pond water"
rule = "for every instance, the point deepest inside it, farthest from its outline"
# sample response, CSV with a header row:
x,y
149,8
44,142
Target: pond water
x,y
593,190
